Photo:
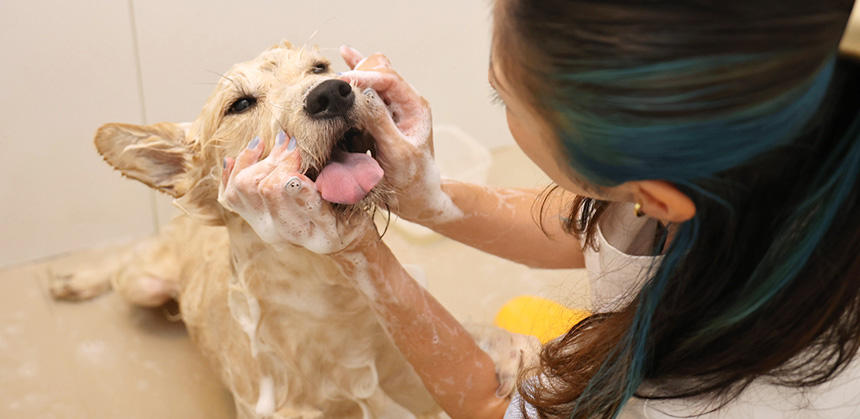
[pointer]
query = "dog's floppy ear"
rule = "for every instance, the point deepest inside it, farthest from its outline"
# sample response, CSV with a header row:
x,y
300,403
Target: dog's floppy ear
x,y
157,155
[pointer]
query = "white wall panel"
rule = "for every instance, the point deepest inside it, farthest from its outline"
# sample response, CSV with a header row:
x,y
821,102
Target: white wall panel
x,y
66,68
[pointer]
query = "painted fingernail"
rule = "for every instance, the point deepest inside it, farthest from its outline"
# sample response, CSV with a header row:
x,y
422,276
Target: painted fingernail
x,y
292,145
282,136
254,143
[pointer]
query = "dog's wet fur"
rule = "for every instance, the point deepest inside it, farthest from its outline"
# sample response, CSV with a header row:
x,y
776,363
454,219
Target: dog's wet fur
x,y
288,338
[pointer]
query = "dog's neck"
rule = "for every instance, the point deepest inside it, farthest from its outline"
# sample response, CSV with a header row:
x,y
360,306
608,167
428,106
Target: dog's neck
x,y
279,274
294,305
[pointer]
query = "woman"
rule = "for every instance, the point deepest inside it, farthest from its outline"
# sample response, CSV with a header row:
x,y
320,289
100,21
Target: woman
x,y
730,129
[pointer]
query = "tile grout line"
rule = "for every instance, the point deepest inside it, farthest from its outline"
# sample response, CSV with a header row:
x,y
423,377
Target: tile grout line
x,y
135,45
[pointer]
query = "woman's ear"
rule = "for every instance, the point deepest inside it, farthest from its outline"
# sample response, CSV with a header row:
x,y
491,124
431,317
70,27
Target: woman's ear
x,y
663,201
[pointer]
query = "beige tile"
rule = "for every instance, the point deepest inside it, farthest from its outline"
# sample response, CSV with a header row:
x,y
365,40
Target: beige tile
x,y
68,67
96,359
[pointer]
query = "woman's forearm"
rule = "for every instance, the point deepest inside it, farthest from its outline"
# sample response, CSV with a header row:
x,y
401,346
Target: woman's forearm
x,y
515,224
459,375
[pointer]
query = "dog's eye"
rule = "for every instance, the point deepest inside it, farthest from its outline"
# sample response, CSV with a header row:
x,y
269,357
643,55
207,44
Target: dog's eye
x,y
241,105
319,68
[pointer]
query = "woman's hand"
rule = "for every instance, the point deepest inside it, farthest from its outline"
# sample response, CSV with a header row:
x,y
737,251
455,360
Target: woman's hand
x,y
404,139
282,205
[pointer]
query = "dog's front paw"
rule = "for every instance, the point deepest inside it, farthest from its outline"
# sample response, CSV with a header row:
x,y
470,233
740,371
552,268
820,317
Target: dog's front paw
x,y
510,352
78,286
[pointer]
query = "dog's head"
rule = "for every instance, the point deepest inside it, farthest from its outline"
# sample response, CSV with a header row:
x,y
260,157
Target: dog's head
x,y
285,88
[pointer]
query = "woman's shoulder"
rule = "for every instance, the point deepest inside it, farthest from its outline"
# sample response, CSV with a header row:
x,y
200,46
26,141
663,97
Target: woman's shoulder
x,y
836,399
515,409
623,256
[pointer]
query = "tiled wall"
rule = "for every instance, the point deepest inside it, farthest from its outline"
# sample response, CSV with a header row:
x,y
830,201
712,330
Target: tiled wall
x,y
69,66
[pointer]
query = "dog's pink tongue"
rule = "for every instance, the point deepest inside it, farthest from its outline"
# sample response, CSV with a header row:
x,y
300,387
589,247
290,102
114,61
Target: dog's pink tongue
x,y
348,177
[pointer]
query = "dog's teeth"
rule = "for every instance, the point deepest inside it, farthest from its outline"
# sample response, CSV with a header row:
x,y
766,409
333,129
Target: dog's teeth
x,y
368,153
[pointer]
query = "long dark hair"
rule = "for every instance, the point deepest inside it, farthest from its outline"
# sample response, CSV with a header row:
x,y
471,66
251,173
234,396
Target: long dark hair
x,y
746,108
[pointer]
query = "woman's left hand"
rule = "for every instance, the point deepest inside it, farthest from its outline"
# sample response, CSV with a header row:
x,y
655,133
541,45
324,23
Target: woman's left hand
x,y
282,205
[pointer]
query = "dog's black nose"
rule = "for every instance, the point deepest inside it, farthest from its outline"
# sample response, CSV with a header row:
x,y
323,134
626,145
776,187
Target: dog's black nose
x,y
329,99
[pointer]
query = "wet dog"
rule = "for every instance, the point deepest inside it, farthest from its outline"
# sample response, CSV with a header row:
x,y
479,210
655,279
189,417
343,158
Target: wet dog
x,y
288,338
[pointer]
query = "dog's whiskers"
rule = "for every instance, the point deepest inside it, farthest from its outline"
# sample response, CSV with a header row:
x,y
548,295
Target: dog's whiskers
x,y
276,106
313,35
317,30
239,87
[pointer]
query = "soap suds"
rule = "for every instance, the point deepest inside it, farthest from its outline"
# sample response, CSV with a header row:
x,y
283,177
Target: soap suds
x,y
362,278
444,207
508,197
266,400
248,319
312,227
142,385
91,351
28,370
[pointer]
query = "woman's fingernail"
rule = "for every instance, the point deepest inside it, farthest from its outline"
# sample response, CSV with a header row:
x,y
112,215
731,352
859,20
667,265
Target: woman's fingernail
x,y
292,145
254,143
282,136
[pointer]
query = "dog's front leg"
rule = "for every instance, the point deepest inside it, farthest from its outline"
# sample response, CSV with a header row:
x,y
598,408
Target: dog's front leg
x,y
511,352
87,283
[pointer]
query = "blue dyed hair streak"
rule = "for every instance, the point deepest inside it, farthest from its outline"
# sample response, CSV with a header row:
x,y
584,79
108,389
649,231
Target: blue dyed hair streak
x,y
724,142
608,143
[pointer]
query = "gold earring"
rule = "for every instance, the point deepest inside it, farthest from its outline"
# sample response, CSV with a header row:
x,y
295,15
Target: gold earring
x,y
637,209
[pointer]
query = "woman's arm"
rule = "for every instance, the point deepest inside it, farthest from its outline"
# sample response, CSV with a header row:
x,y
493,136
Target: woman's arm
x,y
460,376
515,224
498,221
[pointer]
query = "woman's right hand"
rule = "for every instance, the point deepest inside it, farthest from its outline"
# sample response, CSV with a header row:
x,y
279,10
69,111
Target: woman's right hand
x,y
402,127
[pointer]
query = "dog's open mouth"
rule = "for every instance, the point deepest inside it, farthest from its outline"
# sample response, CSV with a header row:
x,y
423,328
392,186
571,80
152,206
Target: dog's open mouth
x,y
351,171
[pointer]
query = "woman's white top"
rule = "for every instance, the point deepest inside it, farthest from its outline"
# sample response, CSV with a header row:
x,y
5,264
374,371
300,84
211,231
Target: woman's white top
x,y
616,273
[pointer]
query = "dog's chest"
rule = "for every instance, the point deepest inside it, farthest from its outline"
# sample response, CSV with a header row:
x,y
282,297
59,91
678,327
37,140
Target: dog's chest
x,y
307,335
286,331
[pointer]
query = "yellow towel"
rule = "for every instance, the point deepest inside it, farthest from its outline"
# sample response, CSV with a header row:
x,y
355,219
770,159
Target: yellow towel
x,y
538,317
